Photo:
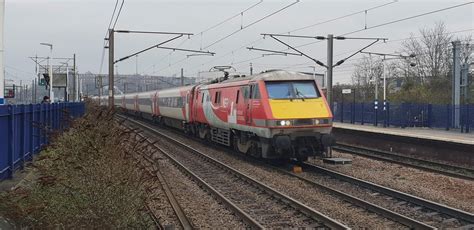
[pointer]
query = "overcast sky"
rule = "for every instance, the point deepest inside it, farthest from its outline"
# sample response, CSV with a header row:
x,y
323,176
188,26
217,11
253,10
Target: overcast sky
x,y
79,26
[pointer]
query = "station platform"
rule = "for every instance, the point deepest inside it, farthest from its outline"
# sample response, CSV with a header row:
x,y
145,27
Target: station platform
x,y
431,144
419,133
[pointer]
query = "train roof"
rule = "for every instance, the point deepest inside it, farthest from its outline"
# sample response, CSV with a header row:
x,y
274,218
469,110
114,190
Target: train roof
x,y
271,75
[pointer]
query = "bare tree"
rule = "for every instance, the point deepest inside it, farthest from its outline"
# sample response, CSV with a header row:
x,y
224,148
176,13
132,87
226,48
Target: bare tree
x,y
433,55
466,49
366,72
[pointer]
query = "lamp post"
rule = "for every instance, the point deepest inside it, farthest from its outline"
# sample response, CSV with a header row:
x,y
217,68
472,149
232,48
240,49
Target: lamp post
x,y
51,93
2,67
384,75
66,90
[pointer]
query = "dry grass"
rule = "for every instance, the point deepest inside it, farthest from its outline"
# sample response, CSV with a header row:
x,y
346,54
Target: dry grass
x,y
88,178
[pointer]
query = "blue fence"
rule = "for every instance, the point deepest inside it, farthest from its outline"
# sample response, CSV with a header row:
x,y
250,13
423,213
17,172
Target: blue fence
x,y
25,129
406,115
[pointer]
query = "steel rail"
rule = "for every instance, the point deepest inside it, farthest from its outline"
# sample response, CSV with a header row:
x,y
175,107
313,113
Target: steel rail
x,y
457,213
153,217
333,224
426,165
245,217
181,216
178,210
407,221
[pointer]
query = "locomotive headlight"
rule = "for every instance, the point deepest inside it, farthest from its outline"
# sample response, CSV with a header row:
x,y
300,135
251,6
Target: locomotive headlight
x,y
284,123
321,121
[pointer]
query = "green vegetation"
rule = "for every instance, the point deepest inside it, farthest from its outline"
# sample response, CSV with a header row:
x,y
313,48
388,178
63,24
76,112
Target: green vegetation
x,y
87,178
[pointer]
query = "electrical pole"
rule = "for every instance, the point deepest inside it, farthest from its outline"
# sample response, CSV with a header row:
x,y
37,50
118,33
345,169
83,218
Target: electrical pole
x,y
136,65
456,83
50,63
26,94
35,91
111,68
182,77
66,90
21,91
2,68
329,75
76,89
251,69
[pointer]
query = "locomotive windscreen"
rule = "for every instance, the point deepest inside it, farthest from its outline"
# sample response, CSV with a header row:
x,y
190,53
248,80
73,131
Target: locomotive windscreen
x,y
291,89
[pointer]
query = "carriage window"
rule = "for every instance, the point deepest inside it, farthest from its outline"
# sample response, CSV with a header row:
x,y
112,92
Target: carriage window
x,y
237,98
217,99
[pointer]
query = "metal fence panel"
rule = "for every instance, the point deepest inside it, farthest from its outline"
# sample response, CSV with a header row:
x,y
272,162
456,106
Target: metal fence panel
x,y
406,115
24,130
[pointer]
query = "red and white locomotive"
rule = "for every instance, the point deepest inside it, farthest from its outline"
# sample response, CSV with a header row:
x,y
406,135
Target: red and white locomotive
x,y
275,114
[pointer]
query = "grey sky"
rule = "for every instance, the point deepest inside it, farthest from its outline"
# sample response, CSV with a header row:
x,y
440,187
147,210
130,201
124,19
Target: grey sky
x,y
79,26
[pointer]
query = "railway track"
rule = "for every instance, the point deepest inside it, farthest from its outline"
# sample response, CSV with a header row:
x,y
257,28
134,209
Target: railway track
x,y
183,220
431,166
257,204
427,211
409,210
407,221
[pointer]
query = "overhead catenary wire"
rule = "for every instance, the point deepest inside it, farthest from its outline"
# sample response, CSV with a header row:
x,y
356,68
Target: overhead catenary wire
x,y
236,31
252,23
386,23
107,32
344,16
395,21
240,13
118,14
313,25
368,28
293,66
232,17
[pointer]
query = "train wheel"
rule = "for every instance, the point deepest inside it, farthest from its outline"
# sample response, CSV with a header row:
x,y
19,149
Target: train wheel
x,y
254,150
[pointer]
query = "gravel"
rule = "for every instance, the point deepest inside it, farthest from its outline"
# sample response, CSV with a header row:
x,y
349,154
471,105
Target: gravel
x,y
322,201
158,202
443,189
199,206
399,206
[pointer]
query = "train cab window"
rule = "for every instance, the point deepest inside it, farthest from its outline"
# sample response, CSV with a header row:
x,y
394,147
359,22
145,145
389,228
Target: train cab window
x,y
237,97
286,89
246,92
255,92
305,89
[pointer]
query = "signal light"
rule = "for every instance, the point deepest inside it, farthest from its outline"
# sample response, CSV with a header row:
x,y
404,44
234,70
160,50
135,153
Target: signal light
x,y
46,78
